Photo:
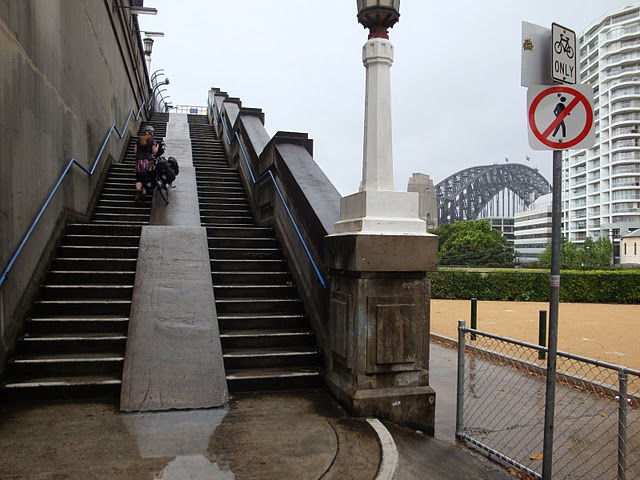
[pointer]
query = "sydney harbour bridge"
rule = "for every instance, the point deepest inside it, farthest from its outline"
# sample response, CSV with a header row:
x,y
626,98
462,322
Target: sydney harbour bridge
x,y
465,194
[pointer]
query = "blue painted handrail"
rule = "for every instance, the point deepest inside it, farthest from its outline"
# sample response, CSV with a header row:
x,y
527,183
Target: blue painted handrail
x,y
73,161
218,120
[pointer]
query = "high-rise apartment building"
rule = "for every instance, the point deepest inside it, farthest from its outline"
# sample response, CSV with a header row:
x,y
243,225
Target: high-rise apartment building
x,y
601,185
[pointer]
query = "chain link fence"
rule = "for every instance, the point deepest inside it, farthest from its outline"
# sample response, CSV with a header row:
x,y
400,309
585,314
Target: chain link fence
x,y
501,404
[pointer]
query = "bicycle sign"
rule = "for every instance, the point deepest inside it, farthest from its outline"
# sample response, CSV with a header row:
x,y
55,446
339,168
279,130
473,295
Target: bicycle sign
x,y
564,58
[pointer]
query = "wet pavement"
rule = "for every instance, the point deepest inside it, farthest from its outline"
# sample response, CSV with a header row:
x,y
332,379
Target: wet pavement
x,y
300,435
291,435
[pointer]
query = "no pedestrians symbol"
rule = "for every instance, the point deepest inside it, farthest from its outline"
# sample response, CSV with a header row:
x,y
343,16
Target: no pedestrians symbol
x,y
560,117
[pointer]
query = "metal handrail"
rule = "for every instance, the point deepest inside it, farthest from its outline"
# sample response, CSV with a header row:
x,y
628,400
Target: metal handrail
x,y
73,161
268,172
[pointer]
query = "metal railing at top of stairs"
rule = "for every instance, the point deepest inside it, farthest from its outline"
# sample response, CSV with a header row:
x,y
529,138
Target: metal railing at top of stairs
x,y
73,161
218,118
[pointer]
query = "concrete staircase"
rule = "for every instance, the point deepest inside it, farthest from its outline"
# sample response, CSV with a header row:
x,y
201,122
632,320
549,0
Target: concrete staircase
x,y
266,340
74,341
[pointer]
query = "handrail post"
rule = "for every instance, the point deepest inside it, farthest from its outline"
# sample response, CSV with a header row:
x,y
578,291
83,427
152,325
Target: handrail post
x,y
460,384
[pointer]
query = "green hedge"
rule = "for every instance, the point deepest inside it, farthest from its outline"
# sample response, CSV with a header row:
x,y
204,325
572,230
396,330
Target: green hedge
x,y
593,286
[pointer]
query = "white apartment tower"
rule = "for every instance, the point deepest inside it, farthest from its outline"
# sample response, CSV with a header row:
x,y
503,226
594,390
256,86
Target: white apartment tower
x,y
601,185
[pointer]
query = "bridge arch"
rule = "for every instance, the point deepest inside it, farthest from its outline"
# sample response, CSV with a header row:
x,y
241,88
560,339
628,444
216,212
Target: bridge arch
x,y
463,195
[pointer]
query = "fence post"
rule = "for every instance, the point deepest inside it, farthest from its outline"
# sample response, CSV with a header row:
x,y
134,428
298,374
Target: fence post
x,y
460,387
474,316
542,333
622,426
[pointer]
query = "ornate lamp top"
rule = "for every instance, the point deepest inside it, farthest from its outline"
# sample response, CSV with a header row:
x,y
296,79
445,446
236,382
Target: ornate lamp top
x,y
148,45
378,16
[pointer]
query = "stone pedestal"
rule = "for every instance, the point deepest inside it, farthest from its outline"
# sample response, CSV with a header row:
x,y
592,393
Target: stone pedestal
x,y
383,212
379,326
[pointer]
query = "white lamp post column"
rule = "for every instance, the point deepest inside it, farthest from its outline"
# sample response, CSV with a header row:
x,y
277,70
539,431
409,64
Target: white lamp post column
x,y
377,165
376,208
378,255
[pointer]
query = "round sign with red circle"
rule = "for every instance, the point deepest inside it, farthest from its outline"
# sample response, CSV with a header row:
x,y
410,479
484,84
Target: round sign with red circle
x,y
560,117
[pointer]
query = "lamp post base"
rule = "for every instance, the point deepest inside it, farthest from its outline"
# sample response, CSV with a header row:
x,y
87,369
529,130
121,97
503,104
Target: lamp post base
x,y
376,212
413,408
378,359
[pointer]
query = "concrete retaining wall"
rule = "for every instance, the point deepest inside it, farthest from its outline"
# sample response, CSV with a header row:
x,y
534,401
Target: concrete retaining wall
x,y
69,70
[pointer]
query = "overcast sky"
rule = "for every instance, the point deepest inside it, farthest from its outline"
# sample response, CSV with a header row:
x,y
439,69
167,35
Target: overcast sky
x,y
456,95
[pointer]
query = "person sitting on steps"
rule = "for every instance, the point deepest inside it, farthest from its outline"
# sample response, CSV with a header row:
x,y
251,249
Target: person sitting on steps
x,y
145,149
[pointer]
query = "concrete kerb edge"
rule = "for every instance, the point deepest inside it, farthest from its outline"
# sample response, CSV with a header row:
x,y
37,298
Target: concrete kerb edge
x,y
389,462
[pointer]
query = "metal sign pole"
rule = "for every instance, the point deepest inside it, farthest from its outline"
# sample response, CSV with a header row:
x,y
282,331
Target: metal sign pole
x,y
554,301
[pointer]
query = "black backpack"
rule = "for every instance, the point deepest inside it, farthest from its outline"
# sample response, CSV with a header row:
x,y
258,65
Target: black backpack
x,y
164,171
173,165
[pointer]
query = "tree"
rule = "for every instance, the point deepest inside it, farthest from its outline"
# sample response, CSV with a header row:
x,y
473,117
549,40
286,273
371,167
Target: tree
x,y
589,255
569,256
596,254
473,243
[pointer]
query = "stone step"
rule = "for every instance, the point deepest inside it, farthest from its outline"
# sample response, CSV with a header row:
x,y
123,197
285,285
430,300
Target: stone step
x,y
121,174
74,342
242,321
101,240
245,253
95,264
254,291
247,265
251,278
265,338
97,251
66,344
259,305
93,364
82,307
238,198
222,204
126,203
204,190
103,230
77,325
211,161
219,179
112,221
211,172
125,208
66,387
85,292
249,358
270,379
212,221
243,242
130,218
90,277
264,331
208,211
240,232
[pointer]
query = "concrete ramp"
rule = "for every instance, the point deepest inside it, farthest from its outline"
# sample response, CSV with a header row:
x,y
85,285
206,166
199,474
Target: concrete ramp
x,y
173,358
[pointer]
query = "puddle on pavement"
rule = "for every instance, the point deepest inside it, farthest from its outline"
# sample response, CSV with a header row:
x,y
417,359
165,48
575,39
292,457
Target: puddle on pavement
x,y
183,435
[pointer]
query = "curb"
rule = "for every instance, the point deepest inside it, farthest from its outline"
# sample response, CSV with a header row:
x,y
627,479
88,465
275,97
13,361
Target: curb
x,y
389,463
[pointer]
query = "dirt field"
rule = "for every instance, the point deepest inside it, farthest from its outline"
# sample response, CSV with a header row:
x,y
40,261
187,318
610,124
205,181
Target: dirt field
x,y
609,333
